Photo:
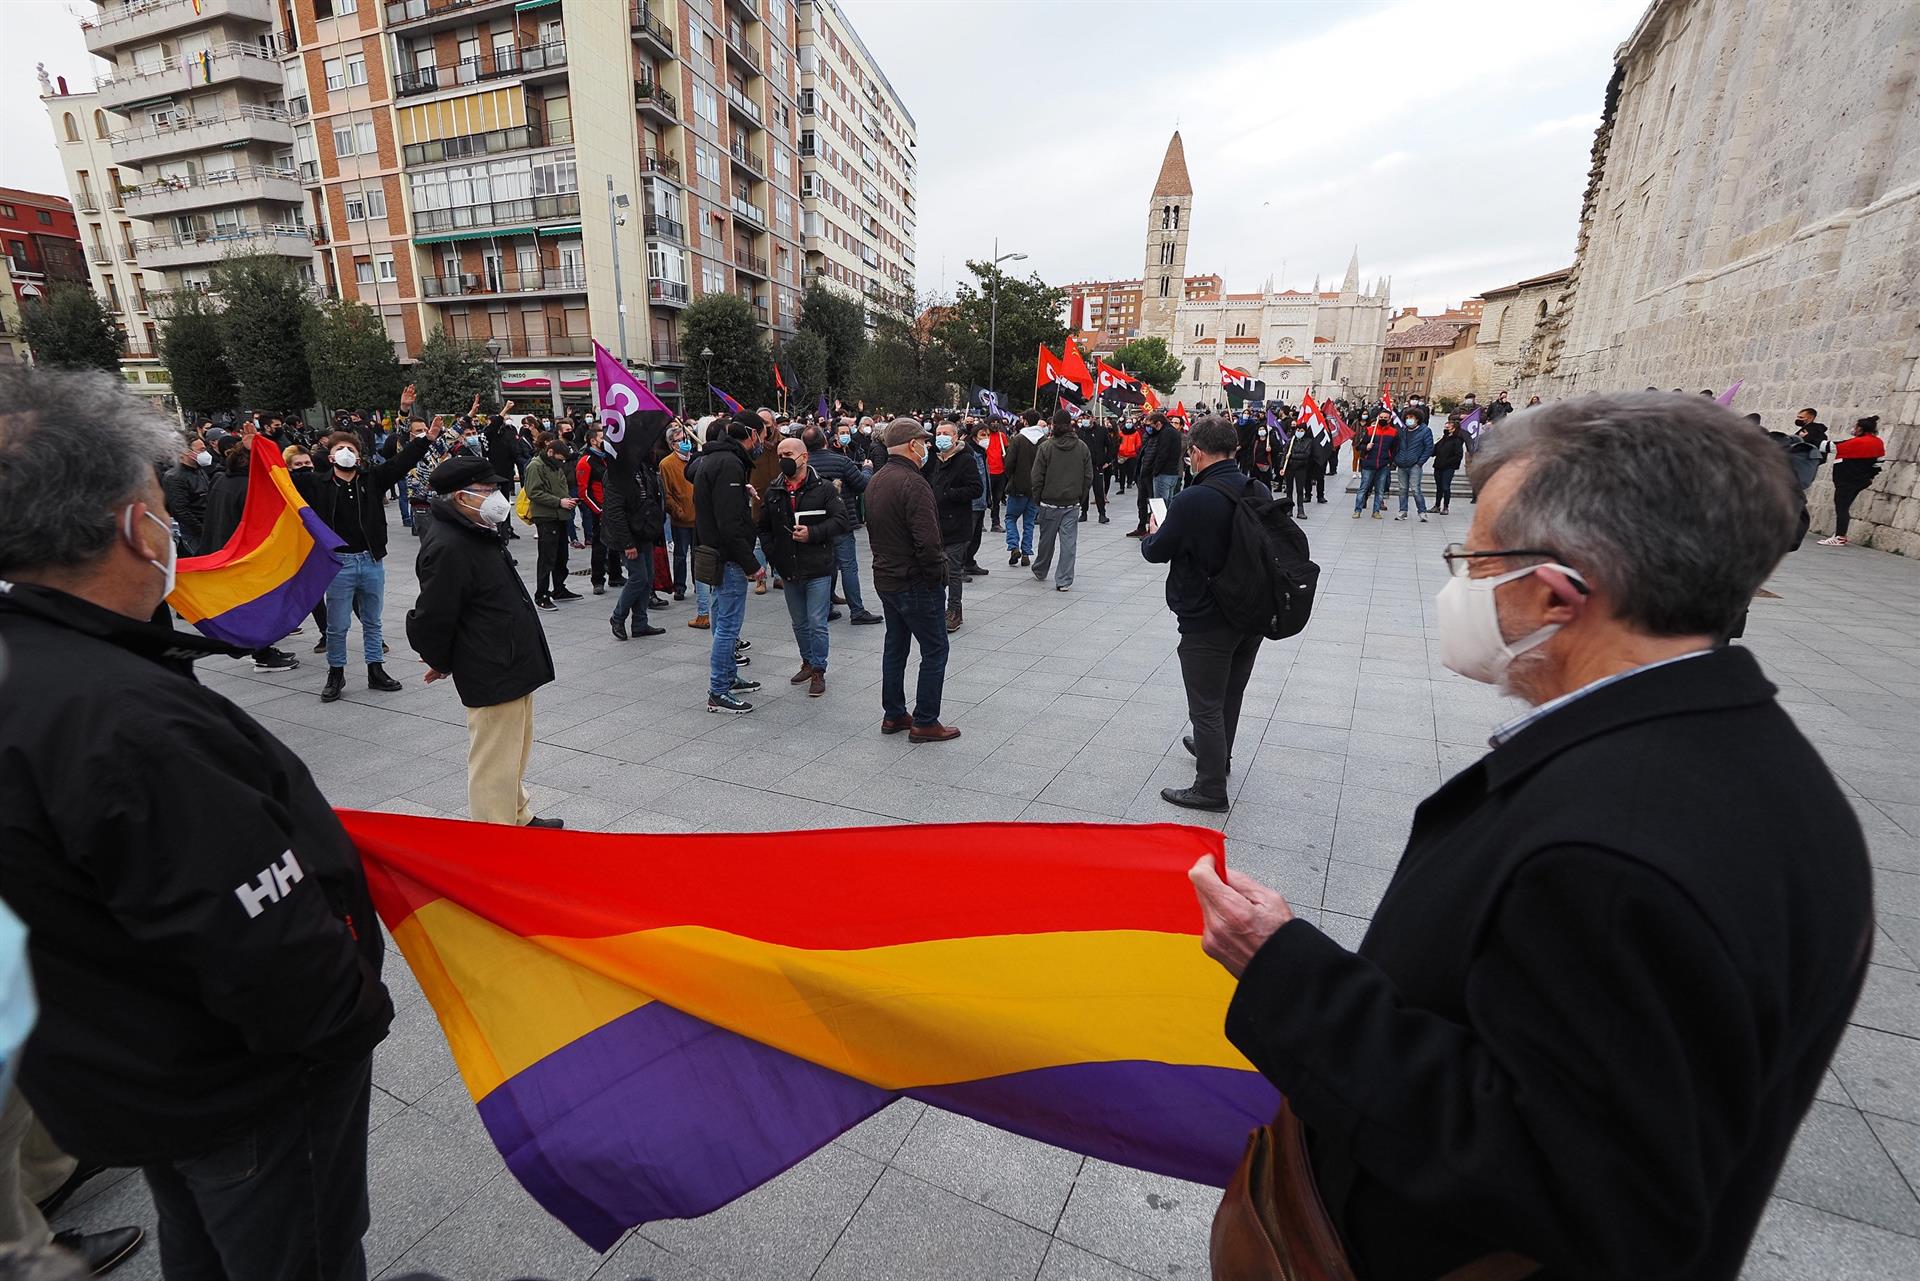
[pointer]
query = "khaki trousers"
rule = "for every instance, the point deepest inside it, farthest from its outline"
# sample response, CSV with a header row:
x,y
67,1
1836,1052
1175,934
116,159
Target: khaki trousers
x,y
499,740
32,1168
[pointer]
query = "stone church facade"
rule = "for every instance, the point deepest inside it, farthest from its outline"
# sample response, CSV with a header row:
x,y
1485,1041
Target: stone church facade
x,y
1753,212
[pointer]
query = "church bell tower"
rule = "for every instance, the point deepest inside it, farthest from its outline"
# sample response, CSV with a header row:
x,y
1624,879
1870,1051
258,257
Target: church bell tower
x,y
1169,217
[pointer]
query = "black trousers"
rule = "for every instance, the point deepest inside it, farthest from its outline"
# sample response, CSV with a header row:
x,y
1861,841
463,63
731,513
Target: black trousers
x,y
1101,478
997,494
550,573
1320,475
284,1201
973,542
1215,666
1129,471
956,574
1843,496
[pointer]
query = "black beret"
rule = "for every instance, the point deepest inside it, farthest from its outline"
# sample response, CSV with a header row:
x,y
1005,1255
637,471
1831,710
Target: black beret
x,y
458,473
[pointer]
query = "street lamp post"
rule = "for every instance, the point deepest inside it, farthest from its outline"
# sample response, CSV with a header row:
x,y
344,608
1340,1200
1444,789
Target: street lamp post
x,y
993,312
706,354
493,353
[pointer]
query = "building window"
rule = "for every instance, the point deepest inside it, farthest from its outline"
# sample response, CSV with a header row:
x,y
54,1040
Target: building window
x,y
1164,285
73,128
363,270
1196,369
1239,331
384,267
356,69
706,104
336,73
46,220
341,8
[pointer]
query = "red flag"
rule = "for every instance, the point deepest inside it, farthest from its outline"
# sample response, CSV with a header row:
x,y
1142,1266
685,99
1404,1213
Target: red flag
x,y
1179,412
778,381
1309,411
1341,432
1047,372
1152,402
1075,368
1238,378
1386,399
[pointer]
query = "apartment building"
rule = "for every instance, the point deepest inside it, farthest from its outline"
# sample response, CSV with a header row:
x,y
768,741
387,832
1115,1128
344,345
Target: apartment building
x,y
857,168
200,85
97,188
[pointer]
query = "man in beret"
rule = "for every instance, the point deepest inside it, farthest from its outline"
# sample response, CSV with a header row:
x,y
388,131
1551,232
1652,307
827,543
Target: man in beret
x,y
475,622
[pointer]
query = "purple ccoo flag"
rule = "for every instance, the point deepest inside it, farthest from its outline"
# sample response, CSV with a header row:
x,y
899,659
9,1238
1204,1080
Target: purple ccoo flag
x,y
1726,397
621,396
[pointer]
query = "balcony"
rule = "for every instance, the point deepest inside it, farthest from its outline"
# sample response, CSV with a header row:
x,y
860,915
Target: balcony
x,y
497,213
479,284
741,47
157,253
298,108
99,255
661,227
747,7
649,28
216,187
142,21
493,64
425,15
671,293
538,345
661,163
265,125
649,96
749,262
125,251
666,349
809,102
750,211
744,105
86,202
230,63
493,142
748,159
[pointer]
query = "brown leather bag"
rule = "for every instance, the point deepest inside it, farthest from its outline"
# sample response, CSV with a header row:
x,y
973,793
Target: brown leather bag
x,y
1272,1225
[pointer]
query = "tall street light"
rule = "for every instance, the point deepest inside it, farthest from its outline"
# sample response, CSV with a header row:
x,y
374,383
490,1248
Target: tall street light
x,y
706,354
993,312
494,349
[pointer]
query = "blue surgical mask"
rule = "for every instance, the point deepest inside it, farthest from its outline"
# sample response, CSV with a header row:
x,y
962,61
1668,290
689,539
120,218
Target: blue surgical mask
x,y
943,443
685,447
845,439
17,1006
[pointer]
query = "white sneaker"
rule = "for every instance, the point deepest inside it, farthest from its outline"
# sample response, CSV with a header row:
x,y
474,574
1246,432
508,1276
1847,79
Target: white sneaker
x,y
1835,541
1423,520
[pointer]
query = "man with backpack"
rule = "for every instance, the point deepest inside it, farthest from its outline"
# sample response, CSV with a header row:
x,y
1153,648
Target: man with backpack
x,y
1216,540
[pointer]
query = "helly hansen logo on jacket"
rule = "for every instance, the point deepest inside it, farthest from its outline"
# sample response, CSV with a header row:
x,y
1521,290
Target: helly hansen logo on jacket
x,y
273,884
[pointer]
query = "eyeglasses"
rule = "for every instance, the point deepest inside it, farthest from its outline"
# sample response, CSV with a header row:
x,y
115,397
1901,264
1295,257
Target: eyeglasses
x,y
1459,559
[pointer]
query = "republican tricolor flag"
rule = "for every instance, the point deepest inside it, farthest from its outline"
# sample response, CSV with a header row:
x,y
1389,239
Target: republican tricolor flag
x,y
273,570
651,1026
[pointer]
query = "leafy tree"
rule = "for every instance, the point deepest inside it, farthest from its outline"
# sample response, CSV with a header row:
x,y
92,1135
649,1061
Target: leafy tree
x,y
450,372
263,314
1149,359
904,367
741,365
71,329
840,322
1030,313
196,361
805,355
351,357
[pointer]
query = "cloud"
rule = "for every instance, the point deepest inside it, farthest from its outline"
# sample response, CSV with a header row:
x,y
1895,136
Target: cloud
x,y
1585,122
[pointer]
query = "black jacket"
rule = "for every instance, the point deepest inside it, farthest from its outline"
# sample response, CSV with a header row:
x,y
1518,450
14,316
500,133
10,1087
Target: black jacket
x,y
847,470
1192,543
226,503
635,510
325,494
474,619
813,558
1019,457
1448,451
1163,453
956,483
722,514
184,986
1099,439
186,491
503,449
1580,1029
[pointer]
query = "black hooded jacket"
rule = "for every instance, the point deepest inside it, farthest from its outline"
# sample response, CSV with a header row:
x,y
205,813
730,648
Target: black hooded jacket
x,y
474,619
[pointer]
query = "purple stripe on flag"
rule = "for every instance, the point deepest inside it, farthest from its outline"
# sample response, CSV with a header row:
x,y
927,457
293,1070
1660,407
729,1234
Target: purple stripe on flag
x,y
268,617
660,1115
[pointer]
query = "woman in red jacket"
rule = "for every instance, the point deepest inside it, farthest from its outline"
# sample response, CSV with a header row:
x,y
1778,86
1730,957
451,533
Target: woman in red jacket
x,y
1857,462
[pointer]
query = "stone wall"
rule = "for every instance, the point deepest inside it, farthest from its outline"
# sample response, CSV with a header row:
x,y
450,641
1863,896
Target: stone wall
x,y
1754,215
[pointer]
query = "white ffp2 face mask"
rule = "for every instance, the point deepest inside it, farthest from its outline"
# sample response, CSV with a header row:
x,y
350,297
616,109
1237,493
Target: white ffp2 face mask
x,y
494,507
345,459
169,569
1470,639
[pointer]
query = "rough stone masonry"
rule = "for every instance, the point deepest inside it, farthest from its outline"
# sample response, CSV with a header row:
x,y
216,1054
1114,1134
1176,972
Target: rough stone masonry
x,y
1753,212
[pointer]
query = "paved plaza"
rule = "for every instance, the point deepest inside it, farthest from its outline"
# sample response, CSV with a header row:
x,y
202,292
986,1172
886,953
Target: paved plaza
x,y
1072,710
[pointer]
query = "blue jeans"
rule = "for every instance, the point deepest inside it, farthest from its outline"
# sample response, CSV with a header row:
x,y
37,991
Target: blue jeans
x,y
1443,485
360,588
1410,484
1166,486
1019,530
807,605
916,614
682,549
637,590
728,612
1371,479
846,554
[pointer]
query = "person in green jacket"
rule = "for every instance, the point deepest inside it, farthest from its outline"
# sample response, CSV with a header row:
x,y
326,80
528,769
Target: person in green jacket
x,y
1062,475
548,503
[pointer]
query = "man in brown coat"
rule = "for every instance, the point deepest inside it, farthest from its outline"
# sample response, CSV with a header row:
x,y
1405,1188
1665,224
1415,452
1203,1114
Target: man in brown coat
x,y
910,573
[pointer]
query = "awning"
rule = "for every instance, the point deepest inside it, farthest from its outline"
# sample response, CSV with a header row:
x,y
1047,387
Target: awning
x,y
561,231
525,5
487,234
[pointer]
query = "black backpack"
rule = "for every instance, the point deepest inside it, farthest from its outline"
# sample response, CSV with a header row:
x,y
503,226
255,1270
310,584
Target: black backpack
x,y
1267,583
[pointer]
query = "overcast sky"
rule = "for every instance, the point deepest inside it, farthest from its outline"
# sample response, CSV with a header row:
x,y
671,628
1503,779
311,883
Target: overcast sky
x,y
1448,140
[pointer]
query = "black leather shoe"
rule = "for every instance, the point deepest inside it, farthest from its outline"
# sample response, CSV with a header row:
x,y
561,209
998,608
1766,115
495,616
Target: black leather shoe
x,y
867,617
377,678
619,630
1187,798
102,1252
336,684
547,822
834,616
62,1194
649,631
